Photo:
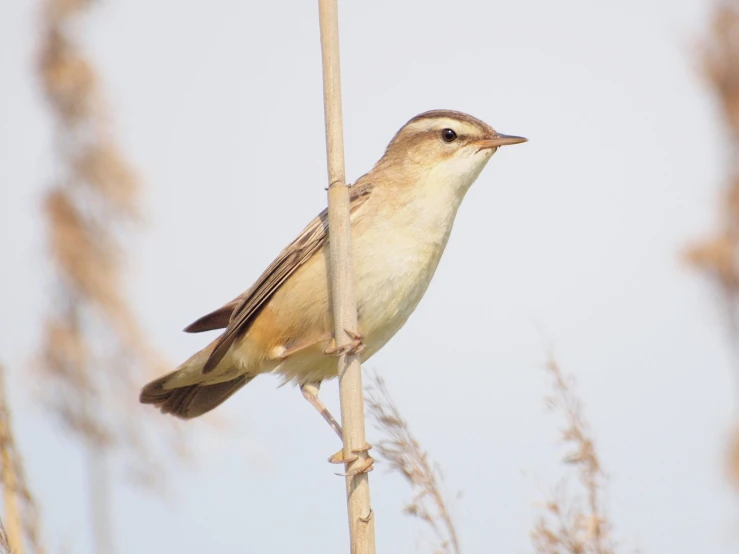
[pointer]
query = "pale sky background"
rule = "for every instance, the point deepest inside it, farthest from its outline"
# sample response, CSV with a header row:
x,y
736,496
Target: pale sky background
x,y
575,237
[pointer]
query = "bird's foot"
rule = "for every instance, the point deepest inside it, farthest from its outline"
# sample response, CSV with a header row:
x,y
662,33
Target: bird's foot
x,y
354,347
365,467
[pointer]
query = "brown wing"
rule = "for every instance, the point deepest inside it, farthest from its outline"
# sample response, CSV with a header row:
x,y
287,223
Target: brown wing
x,y
217,319
290,259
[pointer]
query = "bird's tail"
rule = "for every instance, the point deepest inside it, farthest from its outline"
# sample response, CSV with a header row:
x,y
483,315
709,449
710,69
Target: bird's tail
x,y
185,393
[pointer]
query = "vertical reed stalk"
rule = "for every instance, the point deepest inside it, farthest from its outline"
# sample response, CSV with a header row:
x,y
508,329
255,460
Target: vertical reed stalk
x,y
361,520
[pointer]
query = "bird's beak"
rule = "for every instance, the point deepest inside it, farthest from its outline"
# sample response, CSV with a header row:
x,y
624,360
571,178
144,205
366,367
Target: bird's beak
x,y
499,140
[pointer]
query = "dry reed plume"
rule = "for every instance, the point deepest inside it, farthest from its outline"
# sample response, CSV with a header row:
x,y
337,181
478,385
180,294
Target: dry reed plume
x,y
403,454
94,354
21,525
570,525
718,256
4,546
574,524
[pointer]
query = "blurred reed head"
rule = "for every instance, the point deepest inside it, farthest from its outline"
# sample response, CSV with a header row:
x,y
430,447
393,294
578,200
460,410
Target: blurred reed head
x,y
94,354
717,256
21,517
733,457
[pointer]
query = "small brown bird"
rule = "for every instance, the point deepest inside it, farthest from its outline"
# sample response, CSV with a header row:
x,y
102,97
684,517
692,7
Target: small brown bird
x,y
402,213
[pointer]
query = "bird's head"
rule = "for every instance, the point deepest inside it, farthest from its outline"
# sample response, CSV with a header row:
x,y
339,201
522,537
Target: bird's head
x,y
446,147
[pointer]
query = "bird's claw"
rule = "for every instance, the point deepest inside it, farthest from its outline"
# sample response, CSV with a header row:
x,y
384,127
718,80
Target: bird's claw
x,y
365,467
339,458
354,347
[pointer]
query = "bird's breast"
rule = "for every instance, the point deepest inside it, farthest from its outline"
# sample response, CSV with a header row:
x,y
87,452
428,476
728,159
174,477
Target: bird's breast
x,y
395,258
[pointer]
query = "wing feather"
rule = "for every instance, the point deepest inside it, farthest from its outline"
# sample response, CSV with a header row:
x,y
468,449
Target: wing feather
x,y
290,259
217,319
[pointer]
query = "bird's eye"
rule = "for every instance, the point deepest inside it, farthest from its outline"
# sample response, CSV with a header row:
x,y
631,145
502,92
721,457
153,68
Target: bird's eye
x,y
448,135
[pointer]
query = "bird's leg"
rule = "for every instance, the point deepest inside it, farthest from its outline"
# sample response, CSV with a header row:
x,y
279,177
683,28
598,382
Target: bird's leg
x,y
303,345
354,347
310,393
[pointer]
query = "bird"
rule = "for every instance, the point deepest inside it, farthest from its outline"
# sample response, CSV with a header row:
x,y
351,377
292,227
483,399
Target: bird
x,y
401,216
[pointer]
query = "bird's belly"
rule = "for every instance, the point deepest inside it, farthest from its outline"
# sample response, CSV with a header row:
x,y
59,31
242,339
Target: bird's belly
x,y
391,274
387,292
390,279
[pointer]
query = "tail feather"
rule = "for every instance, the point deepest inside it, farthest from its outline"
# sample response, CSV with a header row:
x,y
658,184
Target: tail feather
x,y
190,401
